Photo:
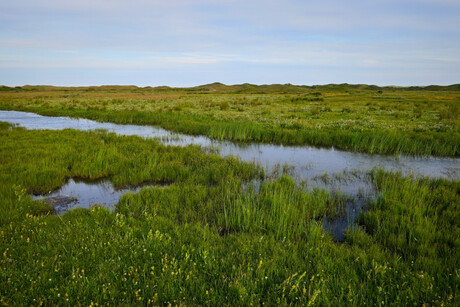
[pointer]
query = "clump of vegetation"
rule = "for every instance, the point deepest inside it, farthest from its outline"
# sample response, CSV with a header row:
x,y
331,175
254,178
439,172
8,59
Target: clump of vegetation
x,y
308,98
450,113
224,105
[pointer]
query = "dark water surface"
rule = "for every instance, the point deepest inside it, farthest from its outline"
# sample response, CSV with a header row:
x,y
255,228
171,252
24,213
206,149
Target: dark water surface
x,y
329,168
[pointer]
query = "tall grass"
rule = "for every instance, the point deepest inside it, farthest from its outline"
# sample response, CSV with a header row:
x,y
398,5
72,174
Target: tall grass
x,y
207,239
406,121
280,207
39,162
417,218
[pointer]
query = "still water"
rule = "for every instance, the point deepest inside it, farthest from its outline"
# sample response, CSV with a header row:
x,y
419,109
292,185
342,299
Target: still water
x,y
305,162
329,168
84,194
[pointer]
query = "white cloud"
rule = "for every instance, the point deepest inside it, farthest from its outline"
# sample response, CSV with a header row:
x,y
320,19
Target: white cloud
x,y
284,35
92,59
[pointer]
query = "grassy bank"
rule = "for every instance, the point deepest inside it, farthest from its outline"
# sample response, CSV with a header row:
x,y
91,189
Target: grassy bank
x,y
207,239
368,119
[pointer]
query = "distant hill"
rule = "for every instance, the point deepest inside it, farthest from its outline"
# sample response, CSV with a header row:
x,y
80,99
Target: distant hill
x,y
246,88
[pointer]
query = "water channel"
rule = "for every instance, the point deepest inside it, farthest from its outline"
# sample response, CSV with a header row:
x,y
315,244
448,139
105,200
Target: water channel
x,y
328,168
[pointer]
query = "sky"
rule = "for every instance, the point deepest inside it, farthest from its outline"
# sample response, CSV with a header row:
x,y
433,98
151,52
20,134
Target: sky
x,y
194,42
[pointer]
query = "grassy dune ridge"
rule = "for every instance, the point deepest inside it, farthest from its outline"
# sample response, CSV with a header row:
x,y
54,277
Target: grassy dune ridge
x,y
209,239
387,120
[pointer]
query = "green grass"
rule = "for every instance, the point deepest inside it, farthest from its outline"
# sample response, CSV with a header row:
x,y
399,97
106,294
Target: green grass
x,y
414,121
417,218
210,237
40,162
281,208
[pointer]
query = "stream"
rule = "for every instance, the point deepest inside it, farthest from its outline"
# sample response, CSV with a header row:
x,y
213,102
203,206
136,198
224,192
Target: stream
x,y
339,171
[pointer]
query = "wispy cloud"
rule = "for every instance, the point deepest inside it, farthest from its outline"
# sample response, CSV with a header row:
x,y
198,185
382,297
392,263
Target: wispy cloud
x,y
231,41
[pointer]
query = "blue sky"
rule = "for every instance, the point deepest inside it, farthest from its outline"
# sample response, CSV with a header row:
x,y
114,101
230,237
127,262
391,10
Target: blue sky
x,y
187,43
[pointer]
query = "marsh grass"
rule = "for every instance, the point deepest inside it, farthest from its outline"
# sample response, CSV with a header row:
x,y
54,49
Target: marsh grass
x,y
211,237
40,162
416,218
281,207
414,121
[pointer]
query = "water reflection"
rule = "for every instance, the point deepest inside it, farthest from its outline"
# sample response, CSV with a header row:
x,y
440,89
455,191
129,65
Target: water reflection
x,y
339,171
305,162
80,194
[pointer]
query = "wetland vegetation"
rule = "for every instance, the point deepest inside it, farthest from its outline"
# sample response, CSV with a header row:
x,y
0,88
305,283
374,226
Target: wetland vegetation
x,y
390,120
215,232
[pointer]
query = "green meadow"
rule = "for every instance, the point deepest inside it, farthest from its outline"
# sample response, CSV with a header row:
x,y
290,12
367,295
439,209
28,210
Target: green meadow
x,y
202,232
384,120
